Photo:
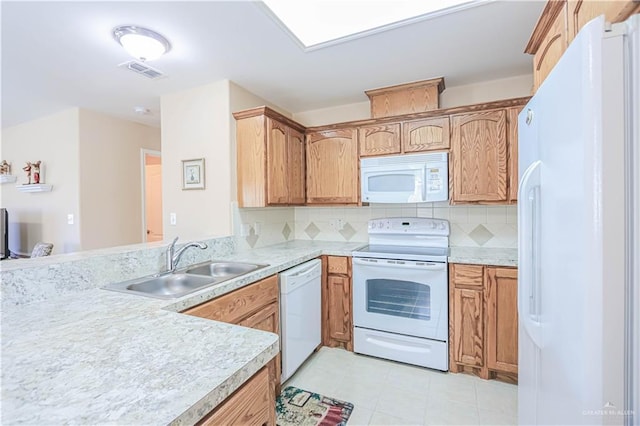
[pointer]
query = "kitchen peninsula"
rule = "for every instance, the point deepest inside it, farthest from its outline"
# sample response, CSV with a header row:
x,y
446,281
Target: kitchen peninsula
x,y
95,356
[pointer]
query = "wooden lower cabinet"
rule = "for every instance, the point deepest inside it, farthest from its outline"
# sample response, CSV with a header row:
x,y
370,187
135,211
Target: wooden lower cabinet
x,y
253,404
255,306
501,296
337,315
468,344
483,322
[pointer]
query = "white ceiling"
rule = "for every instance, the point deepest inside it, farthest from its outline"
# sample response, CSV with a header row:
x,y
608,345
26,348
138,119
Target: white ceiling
x,y
57,55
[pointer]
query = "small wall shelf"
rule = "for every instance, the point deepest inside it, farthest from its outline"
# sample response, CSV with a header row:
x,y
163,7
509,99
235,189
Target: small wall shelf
x,y
8,178
34,187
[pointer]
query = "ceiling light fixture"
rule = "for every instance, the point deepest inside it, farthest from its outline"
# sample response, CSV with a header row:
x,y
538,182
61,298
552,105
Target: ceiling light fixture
x,y
141,43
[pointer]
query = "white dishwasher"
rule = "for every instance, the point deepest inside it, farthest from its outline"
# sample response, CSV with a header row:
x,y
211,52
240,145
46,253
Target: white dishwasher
x,y
300,314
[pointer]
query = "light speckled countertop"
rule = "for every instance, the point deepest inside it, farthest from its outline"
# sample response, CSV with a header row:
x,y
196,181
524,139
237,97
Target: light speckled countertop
x,y
484,256
97,356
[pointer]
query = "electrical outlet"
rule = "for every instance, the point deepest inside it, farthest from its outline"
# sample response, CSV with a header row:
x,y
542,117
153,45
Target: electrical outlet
x,y
172,219
257,227
70,219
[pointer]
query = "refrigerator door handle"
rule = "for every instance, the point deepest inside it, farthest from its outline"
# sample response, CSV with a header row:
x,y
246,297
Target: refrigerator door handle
x,y
529,256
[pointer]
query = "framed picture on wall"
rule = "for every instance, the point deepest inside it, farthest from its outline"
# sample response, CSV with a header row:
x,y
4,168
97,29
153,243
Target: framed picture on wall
x,y
193,174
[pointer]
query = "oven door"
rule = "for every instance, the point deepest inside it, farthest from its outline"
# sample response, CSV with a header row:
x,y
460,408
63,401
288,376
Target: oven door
x,y
401,296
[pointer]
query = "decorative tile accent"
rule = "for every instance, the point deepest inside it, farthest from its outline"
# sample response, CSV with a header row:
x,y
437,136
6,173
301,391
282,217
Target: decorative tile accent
x,y
286,231
312,230
480,235
347,231
252,238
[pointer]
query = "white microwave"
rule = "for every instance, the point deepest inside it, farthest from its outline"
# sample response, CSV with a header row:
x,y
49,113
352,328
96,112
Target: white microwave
x,y
414,178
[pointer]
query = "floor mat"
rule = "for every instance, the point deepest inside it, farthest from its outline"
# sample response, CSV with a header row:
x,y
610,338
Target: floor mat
x,y
298,407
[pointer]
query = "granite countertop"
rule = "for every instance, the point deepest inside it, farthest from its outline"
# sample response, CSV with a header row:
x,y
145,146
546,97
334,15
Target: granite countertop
x,y
484,256
97,356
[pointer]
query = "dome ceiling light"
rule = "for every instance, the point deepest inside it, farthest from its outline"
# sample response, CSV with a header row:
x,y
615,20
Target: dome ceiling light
x,y
141,43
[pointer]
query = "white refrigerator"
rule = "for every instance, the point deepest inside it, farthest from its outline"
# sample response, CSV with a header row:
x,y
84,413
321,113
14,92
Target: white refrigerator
x,y
579,235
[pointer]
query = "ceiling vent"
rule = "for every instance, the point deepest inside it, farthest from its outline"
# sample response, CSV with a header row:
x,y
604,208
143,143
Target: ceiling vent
x,y
143,69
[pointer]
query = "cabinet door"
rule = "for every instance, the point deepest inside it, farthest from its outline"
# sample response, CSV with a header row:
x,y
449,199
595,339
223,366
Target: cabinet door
x,y
252,405
379,140
277,167
479,156
468,341
512,152
425,135
339,309
296,170
332,167
551,49
267,319
502,319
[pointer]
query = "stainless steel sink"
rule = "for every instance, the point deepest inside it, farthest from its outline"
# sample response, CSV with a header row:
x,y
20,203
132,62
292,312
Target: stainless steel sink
x,y
177,284
171,284
223,269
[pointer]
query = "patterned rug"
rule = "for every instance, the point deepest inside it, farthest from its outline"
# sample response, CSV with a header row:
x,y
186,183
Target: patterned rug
x,y
297,407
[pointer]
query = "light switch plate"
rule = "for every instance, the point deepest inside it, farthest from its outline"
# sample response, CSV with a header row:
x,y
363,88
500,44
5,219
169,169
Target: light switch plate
x,y
172,219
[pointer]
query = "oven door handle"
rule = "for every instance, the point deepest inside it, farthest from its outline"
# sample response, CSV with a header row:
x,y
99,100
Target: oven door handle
x,y
400,264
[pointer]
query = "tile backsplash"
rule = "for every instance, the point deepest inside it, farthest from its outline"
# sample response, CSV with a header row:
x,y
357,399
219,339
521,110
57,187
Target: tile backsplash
x,y
471,226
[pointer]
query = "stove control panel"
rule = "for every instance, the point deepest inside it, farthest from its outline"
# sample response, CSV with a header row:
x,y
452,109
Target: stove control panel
x,y
409,225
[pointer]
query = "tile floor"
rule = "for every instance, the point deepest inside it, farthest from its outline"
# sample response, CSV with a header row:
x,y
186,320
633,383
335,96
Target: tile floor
x,y
390,393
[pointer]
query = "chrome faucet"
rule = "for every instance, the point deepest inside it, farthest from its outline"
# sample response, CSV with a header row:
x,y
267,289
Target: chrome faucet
x,y
174,258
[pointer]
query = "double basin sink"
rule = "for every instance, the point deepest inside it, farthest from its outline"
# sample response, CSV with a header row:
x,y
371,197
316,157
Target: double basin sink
x,y
171,285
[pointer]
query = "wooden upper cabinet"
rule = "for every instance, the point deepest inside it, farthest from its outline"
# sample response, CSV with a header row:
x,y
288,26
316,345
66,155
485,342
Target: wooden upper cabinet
x,y
277,163
379,140
559,23
512,152
502,319
478,164
579,12
408,98
425,135
297,174
332,167
271,160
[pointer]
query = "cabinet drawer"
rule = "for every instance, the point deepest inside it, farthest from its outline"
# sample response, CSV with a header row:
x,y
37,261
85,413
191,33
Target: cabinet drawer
x,y
467,275
237,305
338,265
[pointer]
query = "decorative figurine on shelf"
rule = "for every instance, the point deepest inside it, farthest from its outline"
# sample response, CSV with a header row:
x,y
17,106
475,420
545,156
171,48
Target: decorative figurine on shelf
x,y
27,169
5,168
36,171
32,168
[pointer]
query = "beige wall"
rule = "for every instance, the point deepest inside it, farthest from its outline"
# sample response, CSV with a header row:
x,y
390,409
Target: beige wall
x,y
111,179
486,91
195,124
42,216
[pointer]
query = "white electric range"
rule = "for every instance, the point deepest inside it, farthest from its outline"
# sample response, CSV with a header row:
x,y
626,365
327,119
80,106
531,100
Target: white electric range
x,y
400,292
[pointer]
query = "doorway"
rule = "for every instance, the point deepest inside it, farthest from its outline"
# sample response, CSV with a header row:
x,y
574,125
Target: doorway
x,y
151,196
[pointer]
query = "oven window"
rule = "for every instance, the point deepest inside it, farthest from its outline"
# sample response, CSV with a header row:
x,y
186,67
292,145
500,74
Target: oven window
x,y
392,183
398,298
